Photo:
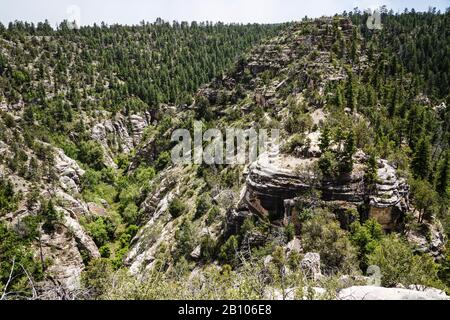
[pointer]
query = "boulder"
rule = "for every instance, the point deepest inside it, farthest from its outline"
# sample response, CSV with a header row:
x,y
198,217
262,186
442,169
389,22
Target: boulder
x,y
69,172
96,210
294,246
310,264
235,219
196,253
379,293
432,242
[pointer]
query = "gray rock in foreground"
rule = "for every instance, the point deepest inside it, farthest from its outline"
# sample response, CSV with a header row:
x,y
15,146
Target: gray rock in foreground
x,y
379,293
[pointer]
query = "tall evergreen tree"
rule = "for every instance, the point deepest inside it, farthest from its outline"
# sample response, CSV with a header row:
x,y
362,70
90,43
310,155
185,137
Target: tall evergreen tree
x,y
325,139
346,156
421,162
443,178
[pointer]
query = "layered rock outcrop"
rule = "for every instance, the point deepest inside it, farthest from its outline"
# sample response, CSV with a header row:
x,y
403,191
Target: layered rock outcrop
x,y
276,181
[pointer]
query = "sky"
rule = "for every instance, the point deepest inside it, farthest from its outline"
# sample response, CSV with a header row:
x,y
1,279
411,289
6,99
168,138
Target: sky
x,y
87,12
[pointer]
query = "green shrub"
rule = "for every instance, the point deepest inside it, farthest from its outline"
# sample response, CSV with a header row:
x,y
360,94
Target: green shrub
x,y
213,214
119,256
105,251
98,231
247,226
9,120
163,160
177,208
328,165
144,174
124,240
129,193
228,251
297,140
20,77
8,199
323,234
208,246
130,213
185,239
230,177
203,205
132,230
96,277
366,238
399,265
90,179
50,215
444,272
91,154
16,256
289,231
424,198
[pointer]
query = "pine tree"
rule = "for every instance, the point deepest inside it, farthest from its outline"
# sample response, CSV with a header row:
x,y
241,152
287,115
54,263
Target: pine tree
x,y
185,238
325,139
443,178
354,46
28,116
50,215
371,173
393,103
339,97
421,162
350,92
346,156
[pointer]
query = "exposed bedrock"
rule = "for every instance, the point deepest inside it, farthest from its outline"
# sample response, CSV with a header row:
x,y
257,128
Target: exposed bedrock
x,y
276,182
120,134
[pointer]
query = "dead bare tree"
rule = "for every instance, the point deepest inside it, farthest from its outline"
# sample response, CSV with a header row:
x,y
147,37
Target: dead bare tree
x,y
5,290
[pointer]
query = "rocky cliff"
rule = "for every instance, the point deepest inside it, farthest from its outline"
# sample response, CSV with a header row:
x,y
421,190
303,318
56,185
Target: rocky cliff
x,y
276,181
120,134
65,246
269,81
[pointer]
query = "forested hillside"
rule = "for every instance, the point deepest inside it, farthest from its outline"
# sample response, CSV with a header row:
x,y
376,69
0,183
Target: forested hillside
x,y
90,201
57,84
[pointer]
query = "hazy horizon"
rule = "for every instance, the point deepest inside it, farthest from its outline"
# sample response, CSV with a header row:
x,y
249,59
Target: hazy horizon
x,y
132,12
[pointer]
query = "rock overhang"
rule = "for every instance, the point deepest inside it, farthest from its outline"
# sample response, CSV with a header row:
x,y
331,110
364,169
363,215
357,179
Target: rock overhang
x,y
278,178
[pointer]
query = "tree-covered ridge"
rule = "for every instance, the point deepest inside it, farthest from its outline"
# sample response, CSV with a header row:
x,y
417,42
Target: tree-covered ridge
x,y
408,89
53,83
156,62
58,82
374,99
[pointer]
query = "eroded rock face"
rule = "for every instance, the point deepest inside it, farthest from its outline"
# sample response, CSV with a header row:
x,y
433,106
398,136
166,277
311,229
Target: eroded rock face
x,y
276,178
68,171
157,230
67,263
121,134
432,242
60,249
